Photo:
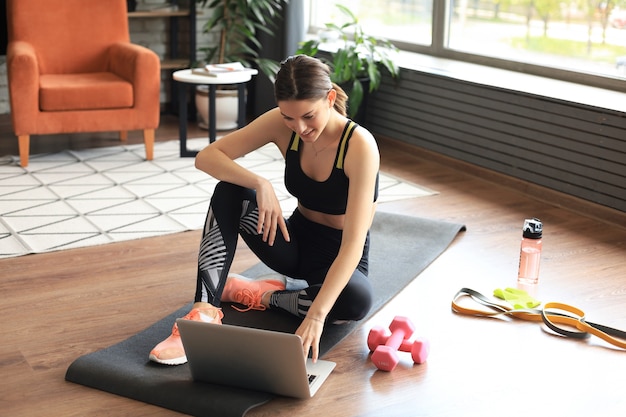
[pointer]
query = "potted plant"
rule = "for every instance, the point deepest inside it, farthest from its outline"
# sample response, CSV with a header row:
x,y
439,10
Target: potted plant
x,y
358,62
237,24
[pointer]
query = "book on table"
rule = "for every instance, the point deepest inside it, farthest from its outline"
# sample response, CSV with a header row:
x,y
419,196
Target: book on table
x,y
167,7
227,70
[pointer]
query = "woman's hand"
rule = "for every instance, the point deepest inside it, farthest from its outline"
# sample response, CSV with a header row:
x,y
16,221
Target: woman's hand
x,y
310,331
270,213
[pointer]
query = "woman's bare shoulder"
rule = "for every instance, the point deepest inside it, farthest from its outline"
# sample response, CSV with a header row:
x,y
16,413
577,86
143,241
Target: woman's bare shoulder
x,y
363,140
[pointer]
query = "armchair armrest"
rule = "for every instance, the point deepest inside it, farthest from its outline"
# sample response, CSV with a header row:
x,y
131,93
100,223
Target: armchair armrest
x,y
23,79
139,66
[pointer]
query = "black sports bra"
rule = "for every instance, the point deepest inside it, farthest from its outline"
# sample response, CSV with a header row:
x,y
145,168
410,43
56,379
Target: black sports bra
x,y
329,196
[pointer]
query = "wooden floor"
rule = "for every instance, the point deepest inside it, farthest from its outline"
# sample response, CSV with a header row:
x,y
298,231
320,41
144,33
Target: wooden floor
x,y
58,306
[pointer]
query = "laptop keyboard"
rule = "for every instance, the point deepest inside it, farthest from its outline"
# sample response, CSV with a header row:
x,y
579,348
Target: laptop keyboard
x,y
311,378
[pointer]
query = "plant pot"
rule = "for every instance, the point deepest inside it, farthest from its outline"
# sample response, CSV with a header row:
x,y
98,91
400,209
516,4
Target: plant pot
x,y
359,117
226,108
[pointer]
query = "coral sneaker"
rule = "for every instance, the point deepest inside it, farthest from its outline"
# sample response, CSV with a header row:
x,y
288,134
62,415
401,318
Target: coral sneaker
x,y
171,351
247,291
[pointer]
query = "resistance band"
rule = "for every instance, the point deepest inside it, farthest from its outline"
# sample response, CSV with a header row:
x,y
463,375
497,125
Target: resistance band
x,y
553,315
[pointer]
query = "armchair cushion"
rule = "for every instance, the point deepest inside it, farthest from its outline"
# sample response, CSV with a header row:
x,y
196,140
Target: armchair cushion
x,y
97,90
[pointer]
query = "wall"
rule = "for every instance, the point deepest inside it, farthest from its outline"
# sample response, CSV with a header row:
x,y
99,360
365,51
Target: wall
x,y
573,148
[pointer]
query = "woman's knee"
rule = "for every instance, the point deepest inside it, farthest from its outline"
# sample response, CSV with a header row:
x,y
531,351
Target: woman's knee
x,y
355,301
227,199
226,189
359,306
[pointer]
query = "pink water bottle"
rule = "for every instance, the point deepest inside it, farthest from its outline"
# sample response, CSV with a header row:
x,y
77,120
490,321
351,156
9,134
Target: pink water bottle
x,y
530,252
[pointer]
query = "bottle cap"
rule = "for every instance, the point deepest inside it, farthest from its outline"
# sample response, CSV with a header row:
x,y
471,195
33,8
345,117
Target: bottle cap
x,y
533,228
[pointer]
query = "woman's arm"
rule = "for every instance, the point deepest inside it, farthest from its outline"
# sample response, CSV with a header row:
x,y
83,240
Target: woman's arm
x,y
217,160
361,166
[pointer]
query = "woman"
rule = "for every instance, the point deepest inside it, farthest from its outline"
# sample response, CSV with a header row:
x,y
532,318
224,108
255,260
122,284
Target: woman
x,y
331,167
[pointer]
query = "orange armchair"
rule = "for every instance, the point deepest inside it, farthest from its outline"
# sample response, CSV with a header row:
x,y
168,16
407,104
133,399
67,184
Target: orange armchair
x,y
71,68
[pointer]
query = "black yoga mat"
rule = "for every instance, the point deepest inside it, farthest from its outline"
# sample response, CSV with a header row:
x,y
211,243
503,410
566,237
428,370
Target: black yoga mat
x,y
401,247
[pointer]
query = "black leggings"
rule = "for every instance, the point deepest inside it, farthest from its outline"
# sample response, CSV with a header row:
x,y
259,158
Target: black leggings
x,y
307,256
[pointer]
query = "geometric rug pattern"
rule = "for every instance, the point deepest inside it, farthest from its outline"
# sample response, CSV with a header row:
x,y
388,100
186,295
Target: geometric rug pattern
x,y
97,196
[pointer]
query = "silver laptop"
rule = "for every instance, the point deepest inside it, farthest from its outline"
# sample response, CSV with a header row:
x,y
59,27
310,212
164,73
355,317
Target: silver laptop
x,y
250,358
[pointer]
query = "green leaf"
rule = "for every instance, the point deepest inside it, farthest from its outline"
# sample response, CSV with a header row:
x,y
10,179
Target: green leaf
x,y
355,98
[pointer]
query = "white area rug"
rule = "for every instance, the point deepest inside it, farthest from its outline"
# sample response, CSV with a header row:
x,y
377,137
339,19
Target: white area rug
x,y
91,197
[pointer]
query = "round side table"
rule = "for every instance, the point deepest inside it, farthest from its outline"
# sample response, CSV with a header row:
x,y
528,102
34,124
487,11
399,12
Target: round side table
x,y
186,76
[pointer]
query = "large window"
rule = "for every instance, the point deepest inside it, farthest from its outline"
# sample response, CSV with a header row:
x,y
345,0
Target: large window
x,y
575,40
408,21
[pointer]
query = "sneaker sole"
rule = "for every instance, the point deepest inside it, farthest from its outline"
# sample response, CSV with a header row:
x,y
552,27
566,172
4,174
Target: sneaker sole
x,y
171,362
271,279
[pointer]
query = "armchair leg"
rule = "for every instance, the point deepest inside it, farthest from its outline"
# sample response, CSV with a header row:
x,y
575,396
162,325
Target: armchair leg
x,y
123,135
23,143
148,138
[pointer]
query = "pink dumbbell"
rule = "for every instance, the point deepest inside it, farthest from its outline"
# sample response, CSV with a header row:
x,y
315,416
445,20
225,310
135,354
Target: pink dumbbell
x,y
385,344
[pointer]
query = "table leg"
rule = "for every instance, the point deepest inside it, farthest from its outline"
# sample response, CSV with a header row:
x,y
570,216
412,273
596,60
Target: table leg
x,y
182,121
212,112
